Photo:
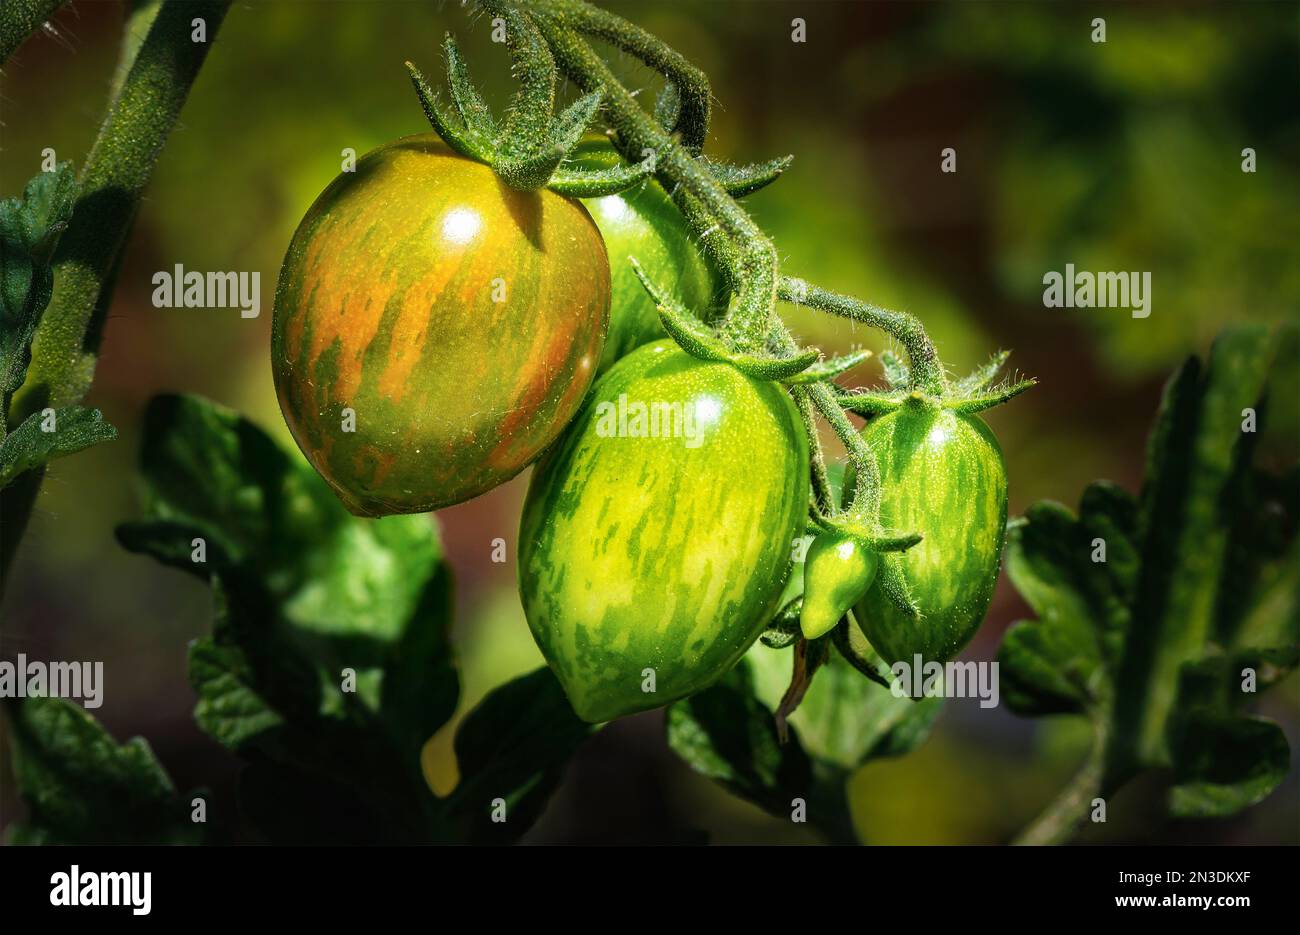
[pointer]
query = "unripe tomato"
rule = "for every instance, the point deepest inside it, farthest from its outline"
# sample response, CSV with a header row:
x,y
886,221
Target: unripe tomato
x,y
643,222
434,330
652,558
837,571
942,475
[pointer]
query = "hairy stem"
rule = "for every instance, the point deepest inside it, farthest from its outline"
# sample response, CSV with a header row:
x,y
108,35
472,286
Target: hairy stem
x,y
19,19
691,83
927,371
112,180
153,78
755,258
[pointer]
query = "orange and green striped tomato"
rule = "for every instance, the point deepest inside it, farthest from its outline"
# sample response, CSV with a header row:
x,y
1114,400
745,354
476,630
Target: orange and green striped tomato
x,y
942,475
434,330
644,223
656,536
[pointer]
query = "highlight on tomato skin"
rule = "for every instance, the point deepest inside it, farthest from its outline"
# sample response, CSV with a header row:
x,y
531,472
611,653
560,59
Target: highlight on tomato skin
x,y
434,330
640,556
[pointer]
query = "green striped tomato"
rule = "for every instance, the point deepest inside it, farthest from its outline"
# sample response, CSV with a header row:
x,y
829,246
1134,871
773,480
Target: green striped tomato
x,y
643,222
451,323
647,547
942,475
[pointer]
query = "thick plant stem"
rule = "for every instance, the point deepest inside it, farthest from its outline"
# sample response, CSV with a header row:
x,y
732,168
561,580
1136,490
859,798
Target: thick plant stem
x,y
748,322
19,19
927,372
112,180
152,82
1061,819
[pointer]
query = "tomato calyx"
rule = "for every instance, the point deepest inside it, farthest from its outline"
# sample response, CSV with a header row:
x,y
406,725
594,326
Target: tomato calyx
x,y
974,393
700,341
529,148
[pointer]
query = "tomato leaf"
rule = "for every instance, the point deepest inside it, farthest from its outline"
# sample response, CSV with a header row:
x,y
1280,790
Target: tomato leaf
x,y
1160,617
329,658
29,229
511,751
727,734
44,436
82,787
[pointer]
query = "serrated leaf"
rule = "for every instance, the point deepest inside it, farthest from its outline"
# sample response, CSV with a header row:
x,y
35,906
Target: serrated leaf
x,y
329,659
82,787
727,734
30,446
511,751
29,229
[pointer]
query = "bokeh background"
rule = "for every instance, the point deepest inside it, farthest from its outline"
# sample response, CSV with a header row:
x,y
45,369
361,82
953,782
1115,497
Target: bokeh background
x,y
1117,156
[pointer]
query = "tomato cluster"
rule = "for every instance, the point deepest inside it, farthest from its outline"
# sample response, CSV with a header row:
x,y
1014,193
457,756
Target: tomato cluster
x,y
436,332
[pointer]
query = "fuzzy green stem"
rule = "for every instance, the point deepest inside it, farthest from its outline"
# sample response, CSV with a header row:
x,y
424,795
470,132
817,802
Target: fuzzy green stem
x,y
158,74
691,83
19,19
112,180
821,484
747,324
927,371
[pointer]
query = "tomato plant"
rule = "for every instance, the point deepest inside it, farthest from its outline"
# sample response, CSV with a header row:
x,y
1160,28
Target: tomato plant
x,y
434,329
642,560
449,313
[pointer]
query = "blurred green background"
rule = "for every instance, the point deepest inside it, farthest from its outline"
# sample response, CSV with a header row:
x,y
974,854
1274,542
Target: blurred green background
x,y
1117,156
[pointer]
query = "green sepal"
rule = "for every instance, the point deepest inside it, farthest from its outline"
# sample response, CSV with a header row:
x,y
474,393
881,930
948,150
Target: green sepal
x,y
668,107
474,113
870,404
894,586
984,401
830,368
981,376
897,374
462,139
700,342
740,181
597,183
863,658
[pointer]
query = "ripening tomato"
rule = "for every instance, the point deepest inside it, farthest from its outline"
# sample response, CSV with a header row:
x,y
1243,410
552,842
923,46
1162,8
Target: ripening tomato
x,y
434,330
656,535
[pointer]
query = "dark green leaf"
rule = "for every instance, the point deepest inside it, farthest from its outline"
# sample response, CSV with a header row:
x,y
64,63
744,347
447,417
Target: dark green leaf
x,y
845,719
1184,531
82,787
29,228
511,751
727,734
45,436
